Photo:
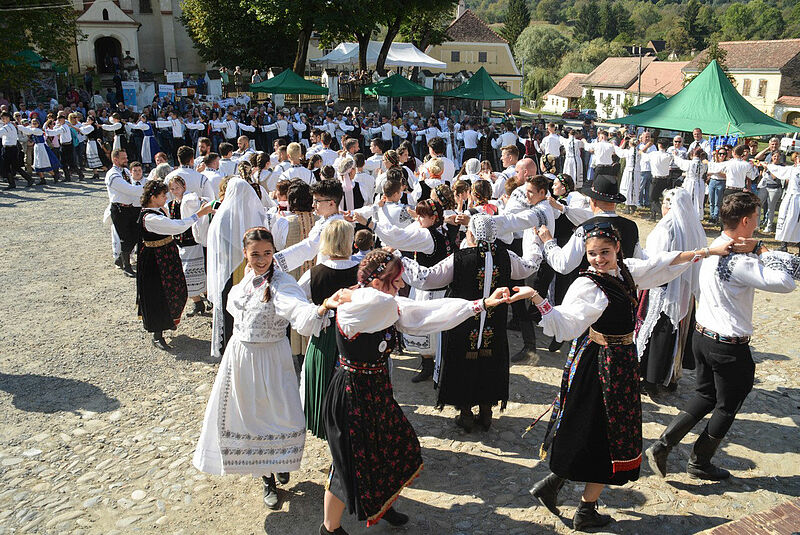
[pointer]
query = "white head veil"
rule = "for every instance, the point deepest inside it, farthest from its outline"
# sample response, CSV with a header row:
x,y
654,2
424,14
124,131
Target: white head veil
x,y
679,230
472,166
240,210
484,229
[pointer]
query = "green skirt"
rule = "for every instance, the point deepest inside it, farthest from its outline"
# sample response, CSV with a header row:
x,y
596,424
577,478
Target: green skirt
x,y
320,362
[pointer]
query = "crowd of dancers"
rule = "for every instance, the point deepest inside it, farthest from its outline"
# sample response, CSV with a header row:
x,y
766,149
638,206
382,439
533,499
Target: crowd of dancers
x,y
315,259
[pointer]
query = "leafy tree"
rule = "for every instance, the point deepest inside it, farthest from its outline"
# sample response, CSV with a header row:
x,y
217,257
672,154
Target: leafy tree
x,y
359,21
586,27
770,24
608,21
736,22
627,104
587,102
518,17
541,46
678,40
607,105
51,32
644,15
427,29
625,26
588,56
708,20
227,34
538,80
692,25
549,10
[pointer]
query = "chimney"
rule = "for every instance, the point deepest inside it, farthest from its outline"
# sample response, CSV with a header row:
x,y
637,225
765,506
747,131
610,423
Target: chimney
x,y
461,8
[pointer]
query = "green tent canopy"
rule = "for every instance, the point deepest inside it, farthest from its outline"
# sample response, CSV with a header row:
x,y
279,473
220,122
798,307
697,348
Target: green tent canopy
x,y
32,59
657,100
480,87
288,83
711,103
397,86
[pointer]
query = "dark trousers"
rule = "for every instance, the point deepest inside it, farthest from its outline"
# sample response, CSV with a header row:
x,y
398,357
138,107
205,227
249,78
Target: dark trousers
x,y
657,187
9,164
470,153
724,375
125,219
519,309
68,161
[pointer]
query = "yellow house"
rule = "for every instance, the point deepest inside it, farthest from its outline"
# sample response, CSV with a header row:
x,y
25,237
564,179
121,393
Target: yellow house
x,y
470,45
766,73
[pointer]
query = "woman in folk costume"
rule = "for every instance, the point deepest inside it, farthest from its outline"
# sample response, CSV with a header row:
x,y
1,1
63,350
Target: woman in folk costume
x,y
44,159
787,229
160,283
430,245
573,161
254,421
322,280
240,211
191,252
353,197
595,435
374,449
631,182
693,183
473,369
118,128
149,144
664,337
96,156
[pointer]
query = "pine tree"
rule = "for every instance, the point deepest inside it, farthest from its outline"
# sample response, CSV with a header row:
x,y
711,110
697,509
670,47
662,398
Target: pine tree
x,y
608,21
586,27
693,26
518,16
625,25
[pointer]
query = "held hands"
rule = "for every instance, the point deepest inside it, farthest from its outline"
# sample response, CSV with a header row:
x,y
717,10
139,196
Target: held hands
x,y
206,209
746,245
555,204
544,234
525,292
499,296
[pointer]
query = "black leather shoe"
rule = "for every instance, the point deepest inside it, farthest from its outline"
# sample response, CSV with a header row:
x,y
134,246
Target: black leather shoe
x,y
129,272
554,346
546,491
338,531
656,454
586,516
466,420
160,343
425,373
484,419
118,262
270,492
526,353
283,477
198,309
395,518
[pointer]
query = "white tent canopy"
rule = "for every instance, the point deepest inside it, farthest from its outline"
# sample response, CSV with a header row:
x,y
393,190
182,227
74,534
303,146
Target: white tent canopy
x,y
400,55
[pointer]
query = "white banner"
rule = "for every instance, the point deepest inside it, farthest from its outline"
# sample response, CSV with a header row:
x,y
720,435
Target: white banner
x,y
174,77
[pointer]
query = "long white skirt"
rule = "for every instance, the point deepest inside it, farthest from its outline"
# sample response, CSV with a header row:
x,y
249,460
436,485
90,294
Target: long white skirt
x,y
630,185
788,227
92,155
254,422
574,168
696,188
194,269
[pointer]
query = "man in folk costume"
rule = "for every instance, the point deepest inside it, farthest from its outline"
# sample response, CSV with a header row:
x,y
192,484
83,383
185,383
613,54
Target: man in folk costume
x,y
125,207
721,343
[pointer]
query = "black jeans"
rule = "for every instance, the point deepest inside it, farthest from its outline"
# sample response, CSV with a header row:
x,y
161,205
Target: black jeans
x,y
9,164
724,378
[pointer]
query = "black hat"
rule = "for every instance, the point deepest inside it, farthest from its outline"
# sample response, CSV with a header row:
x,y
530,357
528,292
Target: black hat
x,y
604,188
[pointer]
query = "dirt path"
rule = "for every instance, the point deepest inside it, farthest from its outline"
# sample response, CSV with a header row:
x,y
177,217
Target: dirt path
x,y
98,427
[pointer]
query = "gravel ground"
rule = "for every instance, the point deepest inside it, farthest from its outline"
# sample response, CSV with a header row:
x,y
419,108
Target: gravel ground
x,y
99,427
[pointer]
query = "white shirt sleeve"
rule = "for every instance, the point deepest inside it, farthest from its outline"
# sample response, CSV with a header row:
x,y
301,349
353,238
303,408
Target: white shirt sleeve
x,y
766,276
428,278
161,224
293,256
582,306
655,270
291,305
565,259
410,238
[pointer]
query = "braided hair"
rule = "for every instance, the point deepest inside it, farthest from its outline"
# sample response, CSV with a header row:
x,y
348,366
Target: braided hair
x,y
611,234
257,234
444,195
380,265
151,189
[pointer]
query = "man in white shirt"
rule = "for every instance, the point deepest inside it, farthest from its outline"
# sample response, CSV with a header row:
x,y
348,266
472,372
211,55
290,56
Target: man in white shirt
x,y
243,150
125,207
551,150
677,150
227,166
724,364
509,137
659,161
697,134
509,156
739,172
10,156
645,145
212,173
437,148
296,170
328,156
602,150
374,164
470,136
66,152
195,182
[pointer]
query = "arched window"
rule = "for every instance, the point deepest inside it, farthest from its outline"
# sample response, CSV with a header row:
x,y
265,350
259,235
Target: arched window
x,y
105,14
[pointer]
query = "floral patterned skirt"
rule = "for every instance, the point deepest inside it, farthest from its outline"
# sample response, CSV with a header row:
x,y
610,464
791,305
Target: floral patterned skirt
x,y
375,450
598,426
161,291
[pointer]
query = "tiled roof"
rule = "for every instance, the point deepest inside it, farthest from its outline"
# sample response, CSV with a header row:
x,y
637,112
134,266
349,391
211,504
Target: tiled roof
x,y
616,72
661,77
468,28
569,86
752,55
787,100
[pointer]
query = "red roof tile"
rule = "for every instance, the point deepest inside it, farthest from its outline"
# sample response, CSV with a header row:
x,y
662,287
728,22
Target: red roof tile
x,y
569,86
617,72
661,77
770,55
468,28
787,100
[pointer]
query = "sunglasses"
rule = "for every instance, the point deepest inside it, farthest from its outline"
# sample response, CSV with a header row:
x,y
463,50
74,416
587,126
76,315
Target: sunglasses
x,y
597,225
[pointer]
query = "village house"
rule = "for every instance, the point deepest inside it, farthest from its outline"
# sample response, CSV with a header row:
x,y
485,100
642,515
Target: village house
x,y
565,94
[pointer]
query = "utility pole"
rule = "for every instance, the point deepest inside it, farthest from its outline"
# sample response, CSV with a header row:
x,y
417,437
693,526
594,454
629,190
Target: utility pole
x,y
639,92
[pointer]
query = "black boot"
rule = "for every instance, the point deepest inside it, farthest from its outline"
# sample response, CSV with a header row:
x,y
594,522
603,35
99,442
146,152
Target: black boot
x,y
528,351
338,531
555,345
42,182
672,435
270,491
425,373
546,491
198,309
127,269
485,417
586,516
283,477
394,518
466,420
118,262
159,342
11,184
700,466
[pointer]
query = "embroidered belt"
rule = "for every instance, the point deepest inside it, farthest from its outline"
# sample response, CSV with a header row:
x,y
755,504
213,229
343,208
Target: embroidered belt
x,y
368,368
610,339
479,353
157,243
734,340
122,205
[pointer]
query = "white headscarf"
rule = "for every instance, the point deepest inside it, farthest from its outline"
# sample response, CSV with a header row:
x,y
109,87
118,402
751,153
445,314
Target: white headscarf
x,y
679,230
484,229
472,166
240,210
345,166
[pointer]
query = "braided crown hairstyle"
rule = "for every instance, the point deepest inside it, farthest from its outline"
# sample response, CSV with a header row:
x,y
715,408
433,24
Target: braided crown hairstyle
x,y
257,234
380,265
